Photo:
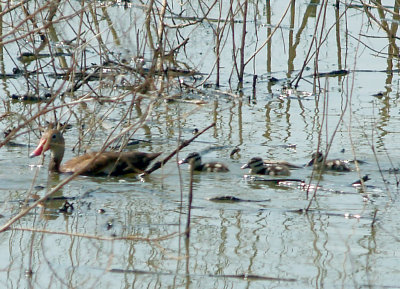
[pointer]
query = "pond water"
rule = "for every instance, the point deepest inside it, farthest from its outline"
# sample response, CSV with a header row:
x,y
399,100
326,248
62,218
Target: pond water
x,y
129,232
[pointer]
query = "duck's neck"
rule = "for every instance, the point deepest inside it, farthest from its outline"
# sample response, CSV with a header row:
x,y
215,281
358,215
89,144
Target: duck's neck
x,y
56,158
258,169
196,164
319,160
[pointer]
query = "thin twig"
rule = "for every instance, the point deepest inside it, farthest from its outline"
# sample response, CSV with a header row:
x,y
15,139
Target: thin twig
x,y
185,143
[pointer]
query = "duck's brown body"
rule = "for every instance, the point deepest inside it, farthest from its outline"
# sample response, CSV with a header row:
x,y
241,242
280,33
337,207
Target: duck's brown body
x,y
106,163
109,163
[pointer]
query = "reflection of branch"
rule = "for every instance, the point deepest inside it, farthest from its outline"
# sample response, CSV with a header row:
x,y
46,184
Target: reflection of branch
x,y
310,54
270,36
380,6
368,46
185,143
382,25
103,238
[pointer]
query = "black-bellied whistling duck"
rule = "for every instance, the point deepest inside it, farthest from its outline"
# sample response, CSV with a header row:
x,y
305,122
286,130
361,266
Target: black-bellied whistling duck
x,y
318,160
106,163
258,166
194,161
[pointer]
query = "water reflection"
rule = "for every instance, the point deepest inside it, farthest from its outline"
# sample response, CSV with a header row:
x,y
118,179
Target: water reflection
x,y
159,71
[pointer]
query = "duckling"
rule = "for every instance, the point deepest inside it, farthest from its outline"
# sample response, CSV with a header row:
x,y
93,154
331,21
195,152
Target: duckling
x,y
281,163
194,160
257,166
333,165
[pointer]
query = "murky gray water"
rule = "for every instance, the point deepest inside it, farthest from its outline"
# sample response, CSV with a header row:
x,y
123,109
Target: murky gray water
x,y
348,238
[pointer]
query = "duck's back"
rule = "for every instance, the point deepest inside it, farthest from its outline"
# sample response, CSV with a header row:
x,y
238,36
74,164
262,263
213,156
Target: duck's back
x,y
109,163
213,167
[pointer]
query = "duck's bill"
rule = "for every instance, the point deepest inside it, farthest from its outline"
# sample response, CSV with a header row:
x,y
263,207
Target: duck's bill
x,y
39,150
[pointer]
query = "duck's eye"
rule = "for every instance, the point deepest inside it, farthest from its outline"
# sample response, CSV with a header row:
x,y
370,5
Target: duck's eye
x,y
54,136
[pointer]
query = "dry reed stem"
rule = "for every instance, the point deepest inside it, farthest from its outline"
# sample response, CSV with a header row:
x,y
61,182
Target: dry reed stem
x,y
270,36
190,200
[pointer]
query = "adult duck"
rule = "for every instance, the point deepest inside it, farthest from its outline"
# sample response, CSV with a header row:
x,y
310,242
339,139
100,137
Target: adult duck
x,y
106,163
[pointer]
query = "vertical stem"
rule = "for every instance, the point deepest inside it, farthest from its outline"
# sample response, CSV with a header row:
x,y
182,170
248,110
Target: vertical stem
x,y
217,51
232,23
189,200
242,46
187,243
254,85
160,36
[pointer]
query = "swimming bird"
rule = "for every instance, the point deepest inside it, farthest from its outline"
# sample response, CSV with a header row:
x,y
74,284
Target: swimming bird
x,y
106,163
194,161
258,166
318,159
279,162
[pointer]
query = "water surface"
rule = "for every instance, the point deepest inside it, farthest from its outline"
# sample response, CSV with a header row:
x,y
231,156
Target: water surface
x,y
127,232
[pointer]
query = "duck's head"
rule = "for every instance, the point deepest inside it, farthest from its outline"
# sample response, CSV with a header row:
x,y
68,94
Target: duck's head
x,y
53,140
191,159
254,162
316,158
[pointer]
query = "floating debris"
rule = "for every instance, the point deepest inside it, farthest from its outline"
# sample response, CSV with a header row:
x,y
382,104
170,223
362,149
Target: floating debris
x,y
334,73
290,92
191,101
27,57
393,170
67,207
234,151
379,94
360,181
233,199
352,216
110,224
273,80
29,97
29,273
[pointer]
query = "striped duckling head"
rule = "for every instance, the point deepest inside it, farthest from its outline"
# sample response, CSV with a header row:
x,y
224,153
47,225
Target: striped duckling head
x,y
255,164
193,159
317,158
